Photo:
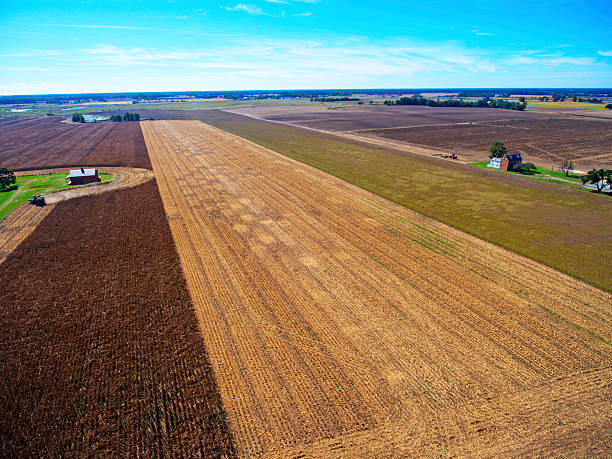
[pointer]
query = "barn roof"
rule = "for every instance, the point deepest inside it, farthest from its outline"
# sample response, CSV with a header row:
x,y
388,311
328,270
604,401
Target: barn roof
x,y
81,173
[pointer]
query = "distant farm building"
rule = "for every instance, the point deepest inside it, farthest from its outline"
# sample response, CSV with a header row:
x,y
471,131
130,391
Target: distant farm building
x,y
81,176
509,161
495,163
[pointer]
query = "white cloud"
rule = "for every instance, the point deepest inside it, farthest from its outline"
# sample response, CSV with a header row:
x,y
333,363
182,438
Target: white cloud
x,y
306,13
246,8
605,53
478,32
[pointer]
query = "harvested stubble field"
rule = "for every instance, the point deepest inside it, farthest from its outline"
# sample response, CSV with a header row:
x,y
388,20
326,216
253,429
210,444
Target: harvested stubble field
x,y
588,142
101,351
564,228
37,142
341,324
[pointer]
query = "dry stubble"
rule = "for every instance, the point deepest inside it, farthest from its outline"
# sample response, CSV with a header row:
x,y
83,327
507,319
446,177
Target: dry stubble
x,y
338,321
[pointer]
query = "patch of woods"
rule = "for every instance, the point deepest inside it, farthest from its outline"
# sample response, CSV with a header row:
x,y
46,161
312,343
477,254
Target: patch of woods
x,y
38,143
79,118
102,352
127,116
8,180
485,102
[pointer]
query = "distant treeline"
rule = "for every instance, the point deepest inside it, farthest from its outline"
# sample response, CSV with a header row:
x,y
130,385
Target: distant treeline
x,y
333,99
485,102
298,93
558,92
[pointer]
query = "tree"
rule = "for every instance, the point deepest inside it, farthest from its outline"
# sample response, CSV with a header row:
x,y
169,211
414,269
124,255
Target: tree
x,y
525,168
131,116
116,118
609,106
77,118
497,150
567,167
7,179
522,99
599,177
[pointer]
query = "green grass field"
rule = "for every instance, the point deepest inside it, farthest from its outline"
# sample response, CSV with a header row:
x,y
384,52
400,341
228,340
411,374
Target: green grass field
x,y
566,104
213,104
29,185
552,223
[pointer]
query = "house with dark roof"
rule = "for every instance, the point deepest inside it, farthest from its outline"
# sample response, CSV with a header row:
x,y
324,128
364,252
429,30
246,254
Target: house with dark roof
x,y
81,176
509,161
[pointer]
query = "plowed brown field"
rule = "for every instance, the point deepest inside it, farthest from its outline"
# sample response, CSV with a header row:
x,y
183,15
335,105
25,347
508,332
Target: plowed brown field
x,y
101,351
36,143
548,142
338,323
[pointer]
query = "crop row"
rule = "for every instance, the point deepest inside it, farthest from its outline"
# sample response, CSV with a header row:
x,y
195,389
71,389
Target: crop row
x,y
328,311
37,143
102,353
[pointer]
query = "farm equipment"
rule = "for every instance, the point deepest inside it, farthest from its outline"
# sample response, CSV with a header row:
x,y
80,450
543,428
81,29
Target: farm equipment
x,y
451,156
38,200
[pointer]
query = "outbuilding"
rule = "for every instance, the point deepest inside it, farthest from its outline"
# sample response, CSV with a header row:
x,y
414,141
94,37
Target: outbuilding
x,y
81,176
510,161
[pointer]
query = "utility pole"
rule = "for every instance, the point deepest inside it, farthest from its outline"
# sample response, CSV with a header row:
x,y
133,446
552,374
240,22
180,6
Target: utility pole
x,y
550,175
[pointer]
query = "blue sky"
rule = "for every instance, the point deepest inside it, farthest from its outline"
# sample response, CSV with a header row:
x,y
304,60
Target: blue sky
x,y
56,46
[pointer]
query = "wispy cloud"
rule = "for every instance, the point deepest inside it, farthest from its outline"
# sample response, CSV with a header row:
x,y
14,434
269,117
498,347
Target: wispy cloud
x,y
292,57
605,53
478,32
100,26
306,13
247,62
535,58
34,53
246,8
25,69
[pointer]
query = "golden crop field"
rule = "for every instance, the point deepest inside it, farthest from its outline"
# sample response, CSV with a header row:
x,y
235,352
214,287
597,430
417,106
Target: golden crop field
x,y
341,324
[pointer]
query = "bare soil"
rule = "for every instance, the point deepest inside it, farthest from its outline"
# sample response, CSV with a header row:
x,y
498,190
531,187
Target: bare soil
x,y
102,355
546,141
45,142
371,117
341,324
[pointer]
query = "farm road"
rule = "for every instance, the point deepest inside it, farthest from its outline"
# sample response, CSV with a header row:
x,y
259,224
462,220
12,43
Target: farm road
x,y
339,323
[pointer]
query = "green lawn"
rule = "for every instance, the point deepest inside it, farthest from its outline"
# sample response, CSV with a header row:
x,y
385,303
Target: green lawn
x,y
29,185
565,104
540,172
213,104
552,223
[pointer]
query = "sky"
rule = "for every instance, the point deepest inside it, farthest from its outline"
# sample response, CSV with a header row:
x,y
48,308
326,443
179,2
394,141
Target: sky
x,y
57,46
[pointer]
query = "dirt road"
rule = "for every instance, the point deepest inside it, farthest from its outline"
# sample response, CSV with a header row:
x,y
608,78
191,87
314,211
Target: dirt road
x,y
341,324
